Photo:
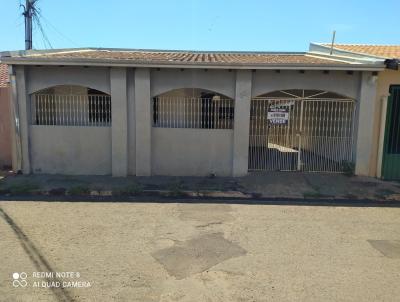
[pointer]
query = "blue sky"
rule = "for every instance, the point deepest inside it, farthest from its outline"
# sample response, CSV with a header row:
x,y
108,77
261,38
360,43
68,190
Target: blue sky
x,y
253,25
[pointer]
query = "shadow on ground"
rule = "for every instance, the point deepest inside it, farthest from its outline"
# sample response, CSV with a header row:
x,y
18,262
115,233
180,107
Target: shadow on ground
x,y
37,258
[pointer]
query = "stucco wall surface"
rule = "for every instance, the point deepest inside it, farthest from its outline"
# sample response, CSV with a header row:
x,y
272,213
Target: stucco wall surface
x,y
220,81
191,152
70,150
385,80
340,82
38,78
5,127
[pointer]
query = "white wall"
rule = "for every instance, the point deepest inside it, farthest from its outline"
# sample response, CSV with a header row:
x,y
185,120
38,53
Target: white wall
x,y
70,150
191,152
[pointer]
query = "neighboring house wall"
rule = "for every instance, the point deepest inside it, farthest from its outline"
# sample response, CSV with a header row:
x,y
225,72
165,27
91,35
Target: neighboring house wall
x,y
386,78
5,127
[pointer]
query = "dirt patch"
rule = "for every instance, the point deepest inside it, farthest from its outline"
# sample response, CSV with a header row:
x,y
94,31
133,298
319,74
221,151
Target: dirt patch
x,y
197,255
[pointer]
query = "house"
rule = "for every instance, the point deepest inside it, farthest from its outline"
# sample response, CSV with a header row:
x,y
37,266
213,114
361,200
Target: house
x,y
151,112
385,116
5,118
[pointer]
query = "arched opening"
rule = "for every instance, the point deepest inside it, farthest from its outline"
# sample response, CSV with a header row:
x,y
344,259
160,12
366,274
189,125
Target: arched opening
x,y
301,130
303,94
193,108
70,105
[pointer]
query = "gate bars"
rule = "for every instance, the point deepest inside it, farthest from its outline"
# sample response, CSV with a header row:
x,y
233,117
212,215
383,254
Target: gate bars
x,y
317,135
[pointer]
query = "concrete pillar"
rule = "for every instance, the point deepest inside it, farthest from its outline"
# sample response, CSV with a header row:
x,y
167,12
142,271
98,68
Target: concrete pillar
x,y
24,118
365,132
143,122
242,122
131,122
119,122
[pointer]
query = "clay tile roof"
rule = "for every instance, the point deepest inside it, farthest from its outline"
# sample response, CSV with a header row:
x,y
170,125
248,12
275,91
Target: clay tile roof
x,y
384,51
186,57
4,81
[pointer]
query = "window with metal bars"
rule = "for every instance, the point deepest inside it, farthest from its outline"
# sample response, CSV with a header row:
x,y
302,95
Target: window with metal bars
x,y
71,106
208,111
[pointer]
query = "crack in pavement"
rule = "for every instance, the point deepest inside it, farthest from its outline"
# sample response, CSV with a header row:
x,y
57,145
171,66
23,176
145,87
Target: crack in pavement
x,y
208,224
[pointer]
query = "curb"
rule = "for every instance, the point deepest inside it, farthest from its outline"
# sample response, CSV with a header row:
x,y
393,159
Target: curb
x,y
200,195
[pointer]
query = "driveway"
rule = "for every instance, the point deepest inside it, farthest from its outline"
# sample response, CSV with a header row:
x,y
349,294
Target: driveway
x,y
72,251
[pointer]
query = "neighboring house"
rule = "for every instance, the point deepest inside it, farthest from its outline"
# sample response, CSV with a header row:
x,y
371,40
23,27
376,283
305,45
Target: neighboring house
x,y
385,116
151,112
5,119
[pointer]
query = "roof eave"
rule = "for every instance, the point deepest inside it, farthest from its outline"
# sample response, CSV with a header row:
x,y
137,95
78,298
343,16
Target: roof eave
x,y
343,52
208,65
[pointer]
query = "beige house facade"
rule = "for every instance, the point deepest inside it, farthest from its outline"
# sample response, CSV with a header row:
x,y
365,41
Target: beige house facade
x,y
184,113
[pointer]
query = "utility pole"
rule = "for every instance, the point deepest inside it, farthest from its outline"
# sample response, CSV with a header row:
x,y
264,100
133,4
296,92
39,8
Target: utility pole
x,y
28,12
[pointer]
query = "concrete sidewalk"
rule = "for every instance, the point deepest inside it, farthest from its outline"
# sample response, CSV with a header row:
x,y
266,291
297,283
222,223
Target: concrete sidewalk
x,y
289,185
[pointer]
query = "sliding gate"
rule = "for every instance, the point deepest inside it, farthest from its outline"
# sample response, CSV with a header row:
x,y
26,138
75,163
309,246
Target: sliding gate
x,y
301,134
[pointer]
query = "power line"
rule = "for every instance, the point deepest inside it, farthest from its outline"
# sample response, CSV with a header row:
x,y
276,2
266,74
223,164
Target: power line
x,y
32,13
57,31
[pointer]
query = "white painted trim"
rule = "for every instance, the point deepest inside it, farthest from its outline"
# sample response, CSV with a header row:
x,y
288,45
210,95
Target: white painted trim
x,y
110,63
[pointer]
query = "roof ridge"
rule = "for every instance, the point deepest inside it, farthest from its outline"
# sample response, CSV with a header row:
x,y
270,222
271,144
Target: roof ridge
x,y
104,49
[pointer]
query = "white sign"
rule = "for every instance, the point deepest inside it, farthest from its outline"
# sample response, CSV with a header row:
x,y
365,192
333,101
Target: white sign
x,y
278,115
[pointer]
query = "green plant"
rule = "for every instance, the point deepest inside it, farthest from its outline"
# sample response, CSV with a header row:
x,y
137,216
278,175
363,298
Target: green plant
x,y
78,190
348,168
132,189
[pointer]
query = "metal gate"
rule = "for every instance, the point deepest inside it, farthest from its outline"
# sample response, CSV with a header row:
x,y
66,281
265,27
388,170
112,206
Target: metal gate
x,y
301,133
391,149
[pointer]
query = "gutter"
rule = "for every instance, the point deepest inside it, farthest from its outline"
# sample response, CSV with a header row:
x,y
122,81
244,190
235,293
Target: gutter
x,y
131,63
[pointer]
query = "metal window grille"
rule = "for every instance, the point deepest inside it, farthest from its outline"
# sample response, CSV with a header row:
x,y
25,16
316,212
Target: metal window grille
x,y
71,110
193,112
316,136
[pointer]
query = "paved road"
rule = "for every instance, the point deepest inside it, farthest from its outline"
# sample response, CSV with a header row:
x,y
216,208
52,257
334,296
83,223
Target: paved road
x,y
197,252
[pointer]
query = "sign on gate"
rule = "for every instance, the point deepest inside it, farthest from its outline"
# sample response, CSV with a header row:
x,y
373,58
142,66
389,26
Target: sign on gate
x,y
278,115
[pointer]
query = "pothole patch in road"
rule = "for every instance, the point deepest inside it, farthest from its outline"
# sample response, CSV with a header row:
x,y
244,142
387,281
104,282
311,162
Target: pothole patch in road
x,y
197,255
389,248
